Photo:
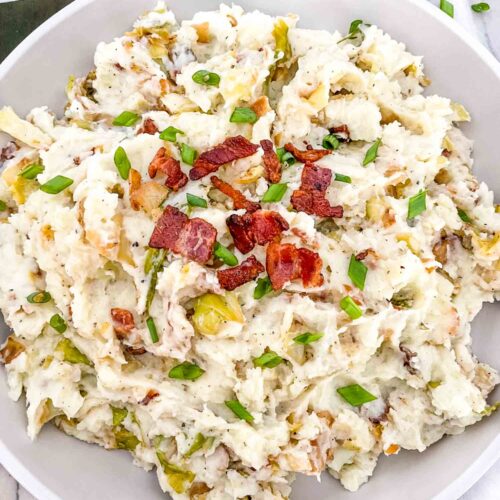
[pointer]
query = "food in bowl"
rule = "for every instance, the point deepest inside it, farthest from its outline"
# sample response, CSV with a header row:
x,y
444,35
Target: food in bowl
x,y
247,250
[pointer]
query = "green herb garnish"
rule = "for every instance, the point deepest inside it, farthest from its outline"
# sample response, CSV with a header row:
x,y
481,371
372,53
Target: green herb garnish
x,y
331,142
244,115
239,410
343,178
348,305
416,204
188,154
275,193
31,171
225,255
268,360
463,215
170,134
58,324
196,201
285,156
371,154
153,264
480,7
56,185
447,7
186,371
122,162
355,395
204,77
3,206
307,338
357,272
354,31
263,287
38,297
199,442
153,333
126,119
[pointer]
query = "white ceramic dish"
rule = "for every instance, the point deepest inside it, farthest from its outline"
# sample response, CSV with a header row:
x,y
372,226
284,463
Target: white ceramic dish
x,y
57,467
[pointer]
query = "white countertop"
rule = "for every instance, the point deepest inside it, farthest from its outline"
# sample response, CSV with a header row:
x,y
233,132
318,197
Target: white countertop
x,y
486,26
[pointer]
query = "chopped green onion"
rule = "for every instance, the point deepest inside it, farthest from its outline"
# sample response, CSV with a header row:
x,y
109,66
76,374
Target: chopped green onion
x,y
186,371
56,185
71,353
225,255
357,272
307,338
188,154
263,288
243,115
3,206
125,439
239,410
416,205
285,156
371,154
196,201
331,142
58,324
351,308
122,162
463,215
480,7
31,171
199,442
38,297
268,360
275,193
343,178
447,7
153,263
152,330
119,415
170,134
126,119
355,395
204,77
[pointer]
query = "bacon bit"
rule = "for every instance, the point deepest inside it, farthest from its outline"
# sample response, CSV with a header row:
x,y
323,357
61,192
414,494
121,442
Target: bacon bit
x,y
261,106
123,322
362,255
271,162
136,351
259,228
234,277
118,66
287,262
169,166
239,200
307,156
389,218
392,449
407,359
8,152
233,148
149,397
148,127
311,196
342,132
194,239
300,234
11,350
446,153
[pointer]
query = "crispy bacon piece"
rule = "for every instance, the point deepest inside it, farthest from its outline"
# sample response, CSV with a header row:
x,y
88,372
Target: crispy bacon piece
x,y
309,155
168,228
233,148
287,262
239,200
170,167
342,133
123,322
148,127
151,394
311,196
192,238
259,228
272,163
234,277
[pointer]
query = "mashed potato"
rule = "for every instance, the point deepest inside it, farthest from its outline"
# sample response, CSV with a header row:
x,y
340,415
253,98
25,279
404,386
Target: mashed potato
x,y
228,394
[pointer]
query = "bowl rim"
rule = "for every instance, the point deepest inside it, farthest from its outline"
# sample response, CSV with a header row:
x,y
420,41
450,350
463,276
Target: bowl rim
x,y
490,455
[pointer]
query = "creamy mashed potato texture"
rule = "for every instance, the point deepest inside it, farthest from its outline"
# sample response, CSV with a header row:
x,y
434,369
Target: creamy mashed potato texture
x,y
247,250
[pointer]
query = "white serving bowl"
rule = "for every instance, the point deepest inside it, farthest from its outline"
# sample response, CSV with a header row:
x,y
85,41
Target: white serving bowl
x,y
60,467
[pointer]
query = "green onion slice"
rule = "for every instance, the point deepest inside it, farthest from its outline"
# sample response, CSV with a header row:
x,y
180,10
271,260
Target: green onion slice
x,y
355,395
447,7
331,142
225,255
307,338
357,272
188,154
463,215
126,119
285,156
199,442
56,185
122,162
153,333
268,360
416,204
58,324
243,115
196,201
186,371
204,77
3,206
239,410
170,134
372,153
343,178
480,7
263,288
275,193
119,415
31,171
38,297
348,305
